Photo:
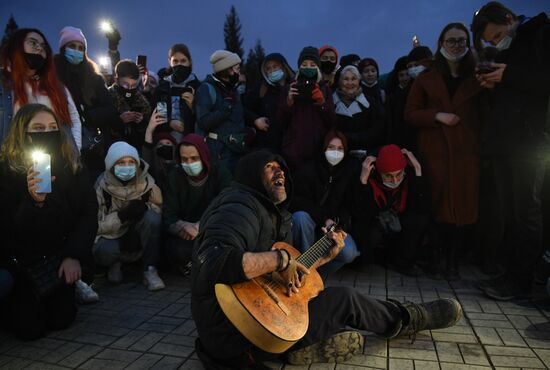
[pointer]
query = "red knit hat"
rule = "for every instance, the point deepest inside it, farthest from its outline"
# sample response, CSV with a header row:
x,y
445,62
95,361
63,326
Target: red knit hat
x,y
324,48
390,159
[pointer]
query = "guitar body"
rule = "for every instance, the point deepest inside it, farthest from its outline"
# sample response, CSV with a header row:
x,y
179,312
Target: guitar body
x,y
261,310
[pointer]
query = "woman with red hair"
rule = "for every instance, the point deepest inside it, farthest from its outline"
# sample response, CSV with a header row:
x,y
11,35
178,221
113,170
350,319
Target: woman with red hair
x,y
28,76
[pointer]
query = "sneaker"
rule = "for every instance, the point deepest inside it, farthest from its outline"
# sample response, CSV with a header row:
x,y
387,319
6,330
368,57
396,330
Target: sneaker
x,y
338,348
152,280
85,293
115,273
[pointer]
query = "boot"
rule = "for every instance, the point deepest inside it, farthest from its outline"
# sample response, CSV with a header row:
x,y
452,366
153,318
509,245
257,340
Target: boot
x,y
416,317
338,348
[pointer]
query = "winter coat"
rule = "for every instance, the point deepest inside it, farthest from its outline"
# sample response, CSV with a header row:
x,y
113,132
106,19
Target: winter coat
x,y
119,196
449,154
399,132
518,105
361,122
304,127
65,225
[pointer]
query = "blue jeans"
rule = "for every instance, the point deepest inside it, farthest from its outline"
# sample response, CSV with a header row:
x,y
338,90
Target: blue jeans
x,y
6,283
303,236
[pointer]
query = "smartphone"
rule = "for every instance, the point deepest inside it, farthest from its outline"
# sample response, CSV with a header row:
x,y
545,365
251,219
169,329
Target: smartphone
x,y
162,109
141,60
41,163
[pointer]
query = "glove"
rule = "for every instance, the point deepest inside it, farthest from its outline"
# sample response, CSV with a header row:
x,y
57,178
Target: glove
x,y
317,95
114,38
133,211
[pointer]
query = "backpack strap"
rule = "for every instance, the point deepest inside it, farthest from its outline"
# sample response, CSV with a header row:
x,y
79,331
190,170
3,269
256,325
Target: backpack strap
x,y
212,92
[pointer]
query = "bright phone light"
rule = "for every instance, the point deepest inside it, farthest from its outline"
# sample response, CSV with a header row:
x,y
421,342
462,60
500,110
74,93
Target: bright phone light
x,y
104,62
37,156
106,26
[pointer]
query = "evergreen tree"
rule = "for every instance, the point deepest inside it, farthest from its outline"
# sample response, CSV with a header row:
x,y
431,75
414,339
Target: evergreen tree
x,y
10,29
259,51
256,56
232,33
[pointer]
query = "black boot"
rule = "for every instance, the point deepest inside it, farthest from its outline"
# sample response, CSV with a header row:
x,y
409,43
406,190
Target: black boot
x,y
416,317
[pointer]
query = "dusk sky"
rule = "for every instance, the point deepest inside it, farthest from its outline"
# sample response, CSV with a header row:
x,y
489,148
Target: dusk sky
x,y
379,29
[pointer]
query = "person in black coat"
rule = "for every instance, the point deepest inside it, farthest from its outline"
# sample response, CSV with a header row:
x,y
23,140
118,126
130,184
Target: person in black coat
x,y
322,197
261,102
391,208
515,144
62,223
399,132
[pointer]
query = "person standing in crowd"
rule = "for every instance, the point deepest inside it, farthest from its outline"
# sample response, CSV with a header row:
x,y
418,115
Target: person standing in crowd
x,y
419,60
262,101
322,197
234,245
516,143
93,102
190,190
306,111
28,76
399,132
328,61
133,108
391,208
220,113
58,226
350,59
361,121
177,87
442,105
129,216
369,81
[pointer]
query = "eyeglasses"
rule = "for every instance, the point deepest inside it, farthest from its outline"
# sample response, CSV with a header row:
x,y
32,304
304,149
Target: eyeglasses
x,y
34,44
454,42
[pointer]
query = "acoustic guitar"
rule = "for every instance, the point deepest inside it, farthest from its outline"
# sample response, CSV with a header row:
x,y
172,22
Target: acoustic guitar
x,y
262,311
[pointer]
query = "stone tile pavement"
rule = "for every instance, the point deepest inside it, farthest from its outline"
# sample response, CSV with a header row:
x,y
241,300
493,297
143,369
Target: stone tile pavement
x,y
131,328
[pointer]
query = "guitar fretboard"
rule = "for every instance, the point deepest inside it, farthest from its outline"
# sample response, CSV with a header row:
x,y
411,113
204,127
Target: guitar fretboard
x,y
316,251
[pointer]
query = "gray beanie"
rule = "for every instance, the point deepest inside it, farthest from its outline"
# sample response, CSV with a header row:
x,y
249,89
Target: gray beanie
x,y
118,150
223,59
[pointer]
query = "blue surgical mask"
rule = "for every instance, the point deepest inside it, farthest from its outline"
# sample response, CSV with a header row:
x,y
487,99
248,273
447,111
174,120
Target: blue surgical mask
x,y
192,169
74,56
125,173
276,76
415,71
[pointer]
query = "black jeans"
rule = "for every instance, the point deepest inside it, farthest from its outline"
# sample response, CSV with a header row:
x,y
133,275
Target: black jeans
x,y
512,215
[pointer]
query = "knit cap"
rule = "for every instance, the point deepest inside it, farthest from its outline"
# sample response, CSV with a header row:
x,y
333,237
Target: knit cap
x,y
309,53
223,59
69,34
390,159
118,150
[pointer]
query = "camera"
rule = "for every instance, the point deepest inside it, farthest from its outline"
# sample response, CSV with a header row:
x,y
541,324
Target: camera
x,y
388,220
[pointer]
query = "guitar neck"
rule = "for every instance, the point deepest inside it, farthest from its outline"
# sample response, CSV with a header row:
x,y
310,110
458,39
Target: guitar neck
x,y
316,251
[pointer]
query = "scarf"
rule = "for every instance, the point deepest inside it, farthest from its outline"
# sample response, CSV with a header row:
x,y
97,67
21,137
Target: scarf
x,y
399,196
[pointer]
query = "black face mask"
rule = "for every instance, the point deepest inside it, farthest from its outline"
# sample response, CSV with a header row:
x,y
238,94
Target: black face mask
x,y
233,80
48,142
165,152
327,67
128,94
35,61
180,73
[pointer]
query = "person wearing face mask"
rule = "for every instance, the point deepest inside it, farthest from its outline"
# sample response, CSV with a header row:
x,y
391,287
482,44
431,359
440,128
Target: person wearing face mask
x,y
129,217
328,57
306,111
87,87
36,225
419,60
322,197
516,146
369,81
28,76
189,191
261,102
133,108
220,113
359,118
443,106
177,87
390,209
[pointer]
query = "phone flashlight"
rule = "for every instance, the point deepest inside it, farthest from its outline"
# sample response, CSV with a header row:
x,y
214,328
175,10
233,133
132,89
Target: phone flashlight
x,y
106,26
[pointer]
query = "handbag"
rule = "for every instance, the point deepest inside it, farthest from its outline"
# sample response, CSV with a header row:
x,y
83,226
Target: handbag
x,y
43,276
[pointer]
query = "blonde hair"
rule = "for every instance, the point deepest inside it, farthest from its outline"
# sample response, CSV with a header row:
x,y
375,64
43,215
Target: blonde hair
x,y
13,151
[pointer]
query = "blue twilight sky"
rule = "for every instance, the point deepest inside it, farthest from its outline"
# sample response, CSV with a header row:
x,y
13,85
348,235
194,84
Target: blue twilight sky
x,y
380,29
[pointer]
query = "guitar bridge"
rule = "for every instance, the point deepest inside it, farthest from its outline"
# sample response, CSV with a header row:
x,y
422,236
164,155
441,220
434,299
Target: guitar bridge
x,y
271,294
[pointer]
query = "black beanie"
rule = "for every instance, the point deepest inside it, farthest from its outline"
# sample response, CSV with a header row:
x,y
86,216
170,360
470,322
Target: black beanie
x,y
418,53
309,53
127,68
400,64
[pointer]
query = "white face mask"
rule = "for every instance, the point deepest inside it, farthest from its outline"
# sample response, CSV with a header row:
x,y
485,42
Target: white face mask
x,y
504,43
451,57
415,71
392,185
334,156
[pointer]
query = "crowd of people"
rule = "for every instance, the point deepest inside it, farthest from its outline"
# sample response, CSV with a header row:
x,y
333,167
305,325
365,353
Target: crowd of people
x,y
438,163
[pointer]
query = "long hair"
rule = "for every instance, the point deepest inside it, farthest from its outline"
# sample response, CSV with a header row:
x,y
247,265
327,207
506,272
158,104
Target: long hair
x,y
86,74
467,63
14,152
14,74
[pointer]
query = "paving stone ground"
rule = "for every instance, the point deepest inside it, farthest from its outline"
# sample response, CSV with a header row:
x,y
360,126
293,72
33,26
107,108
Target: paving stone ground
x,y
131,328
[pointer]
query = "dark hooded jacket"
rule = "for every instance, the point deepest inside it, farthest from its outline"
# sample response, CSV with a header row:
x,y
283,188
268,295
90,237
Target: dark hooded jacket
x,y
241,219
263,101
185,201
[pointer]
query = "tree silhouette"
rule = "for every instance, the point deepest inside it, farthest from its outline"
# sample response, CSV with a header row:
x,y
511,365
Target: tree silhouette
x,y
10,29
232,33
256,56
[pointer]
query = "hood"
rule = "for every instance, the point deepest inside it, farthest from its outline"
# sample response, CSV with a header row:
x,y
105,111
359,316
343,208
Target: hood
x,y
198,142
281,59
250,168
134,189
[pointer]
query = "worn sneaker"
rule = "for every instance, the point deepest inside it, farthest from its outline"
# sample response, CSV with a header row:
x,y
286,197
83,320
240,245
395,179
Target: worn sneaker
x,y
85,293
152,280
115,273
338,348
